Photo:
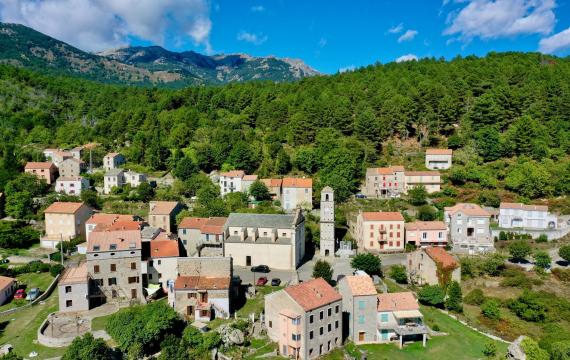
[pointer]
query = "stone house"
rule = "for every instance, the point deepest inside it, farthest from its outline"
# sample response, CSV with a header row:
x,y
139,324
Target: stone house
x,y
64,221
255,239
399,318
246,182
162,214
113,178
59,156
42,170
380,231
359,306
231,181
438,159
515,215
71,167
426,233
297,193
431,180
426,266
469,228
274,187
73,289
386,182
72,185
199,234
114,264
7,288
305,319
113,160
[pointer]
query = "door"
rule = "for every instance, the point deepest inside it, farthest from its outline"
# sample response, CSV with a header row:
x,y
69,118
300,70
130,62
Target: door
x,y
361,336
190,311
248,261
384,334
133,293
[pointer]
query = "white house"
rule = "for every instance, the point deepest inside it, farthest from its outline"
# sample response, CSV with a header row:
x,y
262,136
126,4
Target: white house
x,y
133,178
515,215
71,185
438,158
113,160
231,181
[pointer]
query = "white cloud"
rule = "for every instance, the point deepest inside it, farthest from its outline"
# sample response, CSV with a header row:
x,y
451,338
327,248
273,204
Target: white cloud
x,y
407,57
100,24
257,8
491,19
322,42
256,39
396,29
347,68
408,35
556,42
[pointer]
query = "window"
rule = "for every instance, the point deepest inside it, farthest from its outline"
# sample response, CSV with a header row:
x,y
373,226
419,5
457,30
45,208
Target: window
x,y
391,226
372,244
191,295
150,263
383,318
150,276
329,327
371,234
159,262
296,337
283,234
113,293
391,234
322,315
397,243
321,331
112,281
361,305
440,235
398,226
183,231
296,321
361,319
336,309
184,242
398,234
391,243
69,303
133,279
67,289
329,312
336,324
204,313
113,267
424,235
133,266
96,248
270,322
113,247
311,319
371,227
96,269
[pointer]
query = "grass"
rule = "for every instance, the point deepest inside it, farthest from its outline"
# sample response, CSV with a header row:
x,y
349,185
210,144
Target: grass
x,y
20,329
257,304
31,280
100,322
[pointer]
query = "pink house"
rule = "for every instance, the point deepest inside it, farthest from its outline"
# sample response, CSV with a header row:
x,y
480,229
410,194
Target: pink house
x,y
426,233
380,231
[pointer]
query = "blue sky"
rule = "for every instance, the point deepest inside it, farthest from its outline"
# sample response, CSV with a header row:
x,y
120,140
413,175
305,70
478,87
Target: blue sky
x,y
327,35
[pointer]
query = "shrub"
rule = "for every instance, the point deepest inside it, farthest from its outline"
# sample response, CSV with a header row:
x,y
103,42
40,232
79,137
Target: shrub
x,y
542,238
410,247
368,263
564,252
399,274
323,269
519,250
502,236
491,309
493,264
56,269
87,348
426,213
490,349
528,307
474,297
417,195
560,350
533,351
542,259
454,297
516,278
431,295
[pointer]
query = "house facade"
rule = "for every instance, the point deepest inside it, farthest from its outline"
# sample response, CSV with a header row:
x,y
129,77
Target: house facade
x,y
305,319
469,228
7,288
72,185
113,178
431,180
297,193
73,289
162,262
103,221
437,159
70,167
64,221
162,214
231,181
386,182
515,215
202,235
424,266
380,231
399,318
255,239
246,182
274,187
42,170
113,160
426,233
134,178
359,305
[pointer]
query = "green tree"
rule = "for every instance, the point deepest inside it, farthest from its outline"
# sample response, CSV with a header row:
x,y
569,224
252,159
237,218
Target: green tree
x,y
145,192
488,141
185,168
90,198
542,259
87,348
491,309
475,297
323,269
259,191
19,205
306,160
533,351
282,163
519,250
490,349
560,350
243,157
564,252
529,179
454,298
528,307
426,213
399,274
367,262
431,295
417,195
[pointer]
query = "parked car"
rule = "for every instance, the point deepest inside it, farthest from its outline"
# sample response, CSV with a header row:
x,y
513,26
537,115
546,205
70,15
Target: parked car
x,y
20,294
261,269
261,281
33,294
360,196
275,282
4,261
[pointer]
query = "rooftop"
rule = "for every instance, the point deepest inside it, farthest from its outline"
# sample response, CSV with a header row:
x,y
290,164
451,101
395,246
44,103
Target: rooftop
x,y
384,170
382,216
233,173
361,285
313,294
249,177
519,206
108,219
467,209
426,225
39,165
214,225
114,240
162,207
201,283
422,173
397,301
125,225
5,280
70,178
62,207
297,182
272,182
164,248
74,275
278,221
112,154
114,172
192,223
439,152
442,257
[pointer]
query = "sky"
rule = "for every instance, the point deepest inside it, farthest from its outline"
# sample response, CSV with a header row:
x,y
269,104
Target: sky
x,y
328,35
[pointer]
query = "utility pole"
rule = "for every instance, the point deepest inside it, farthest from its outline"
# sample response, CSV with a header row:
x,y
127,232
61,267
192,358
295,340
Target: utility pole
x,y
61,247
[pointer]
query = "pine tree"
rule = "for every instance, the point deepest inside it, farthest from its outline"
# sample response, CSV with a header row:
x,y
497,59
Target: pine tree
x,y
454,297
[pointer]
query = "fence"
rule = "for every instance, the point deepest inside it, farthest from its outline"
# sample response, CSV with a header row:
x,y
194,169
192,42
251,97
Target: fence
x,y
42,297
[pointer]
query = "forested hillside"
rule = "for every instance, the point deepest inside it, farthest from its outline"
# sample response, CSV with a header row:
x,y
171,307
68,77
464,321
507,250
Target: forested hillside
x,y
507,114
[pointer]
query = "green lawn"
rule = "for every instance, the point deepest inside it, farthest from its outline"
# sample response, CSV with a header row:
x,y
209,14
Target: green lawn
x,y
20,329
99,323
257,304
31,280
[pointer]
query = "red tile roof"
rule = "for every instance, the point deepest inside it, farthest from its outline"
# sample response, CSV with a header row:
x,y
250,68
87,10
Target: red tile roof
x,y
5,281
233,173
112,154
439,151
192,223
74,275
297,182
442,257
63,207
397,302
249,177
361,285
382,216
313,294
385,170
426,225
164,248
422,173
125,225
505,205
214,225
39,165
108,219
201,283
467,209
162,207
122,239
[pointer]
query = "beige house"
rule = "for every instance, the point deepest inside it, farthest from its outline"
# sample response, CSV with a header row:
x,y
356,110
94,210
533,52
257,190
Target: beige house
x,y
114,264
431,180
386,182
429,266
73,289
70,167
399,319
202,291
255,239
103,221
426,233
359,303
113,160
380,231
42,170
438,159
7,288
162,262
64,221
162,214
72,185
202,236
297,193
305,319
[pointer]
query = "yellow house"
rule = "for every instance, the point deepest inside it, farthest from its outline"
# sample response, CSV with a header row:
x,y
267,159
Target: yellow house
x,y
64,221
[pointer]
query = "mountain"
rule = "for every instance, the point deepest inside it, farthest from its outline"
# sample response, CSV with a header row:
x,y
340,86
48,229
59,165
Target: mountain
x,y
152,65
